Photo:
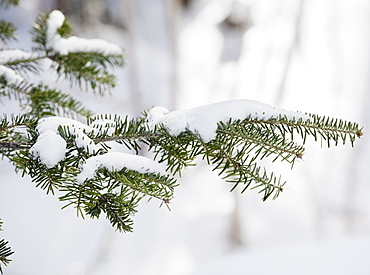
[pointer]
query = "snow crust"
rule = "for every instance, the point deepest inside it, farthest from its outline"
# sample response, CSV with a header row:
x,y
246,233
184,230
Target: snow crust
x,y
75,44
117,161
8,56
203,120
51,147
10,75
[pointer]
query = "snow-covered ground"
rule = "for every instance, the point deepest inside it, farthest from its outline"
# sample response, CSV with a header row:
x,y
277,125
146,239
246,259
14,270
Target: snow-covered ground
x,y
319,225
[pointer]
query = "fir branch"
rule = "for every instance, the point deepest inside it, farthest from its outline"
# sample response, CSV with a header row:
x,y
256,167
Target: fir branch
x,y
129,132
5,251
117,193
7,123
238,168
14,145
39,30
81,70
87,70
320,127
47,178
248,138
18,91
116,211
148,184
8,3
177,151
45,101
12,134
22,66
7,31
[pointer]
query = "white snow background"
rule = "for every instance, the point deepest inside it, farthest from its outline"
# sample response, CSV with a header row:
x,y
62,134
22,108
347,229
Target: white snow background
x,y
321,222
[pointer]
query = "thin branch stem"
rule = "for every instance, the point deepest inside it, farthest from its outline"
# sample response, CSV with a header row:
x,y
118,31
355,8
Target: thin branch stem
x,y
14,145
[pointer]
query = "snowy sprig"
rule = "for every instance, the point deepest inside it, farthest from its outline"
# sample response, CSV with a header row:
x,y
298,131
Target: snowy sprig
x,y
84,62
233,147
76,158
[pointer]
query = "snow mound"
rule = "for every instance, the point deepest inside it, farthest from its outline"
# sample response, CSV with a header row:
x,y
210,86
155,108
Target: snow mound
x,y
75,44
115,161
203,120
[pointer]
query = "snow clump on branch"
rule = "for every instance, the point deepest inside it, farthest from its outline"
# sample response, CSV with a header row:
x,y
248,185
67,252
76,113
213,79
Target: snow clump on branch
x,y
115,161
203,120
11,77
51,147
75,44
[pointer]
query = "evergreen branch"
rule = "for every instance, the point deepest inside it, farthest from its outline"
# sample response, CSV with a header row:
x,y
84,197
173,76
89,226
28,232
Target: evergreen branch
x,y
247,139
129,132
18,92
333,129
49,179
14,145
7,31
39,30
17,121
323,128
79,69
117,194
8,3
45,101
12,136
176,151
238,169
116,212
5,251
148,184
25,65
88,70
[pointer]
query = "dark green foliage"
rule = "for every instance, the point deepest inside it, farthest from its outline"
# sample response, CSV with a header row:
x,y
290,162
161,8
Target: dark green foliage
x,y
87,70
7,31
239,145
41,100
65,30
38,31
45,101
117,194
12,137
129,132
5,251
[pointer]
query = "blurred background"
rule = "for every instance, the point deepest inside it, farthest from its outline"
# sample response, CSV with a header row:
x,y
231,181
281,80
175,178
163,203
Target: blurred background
x,y
300,55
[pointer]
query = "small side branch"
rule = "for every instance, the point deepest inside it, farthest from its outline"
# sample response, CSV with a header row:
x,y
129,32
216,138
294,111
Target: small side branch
x,y
14,145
